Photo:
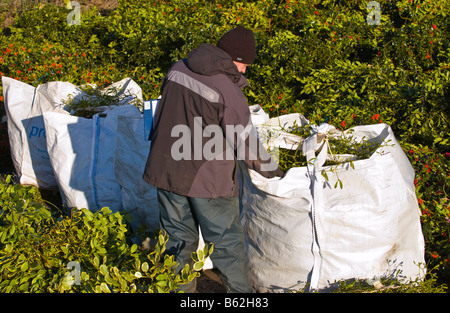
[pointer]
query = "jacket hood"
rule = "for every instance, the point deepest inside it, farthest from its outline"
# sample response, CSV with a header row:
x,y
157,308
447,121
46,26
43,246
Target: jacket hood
x,y
210,60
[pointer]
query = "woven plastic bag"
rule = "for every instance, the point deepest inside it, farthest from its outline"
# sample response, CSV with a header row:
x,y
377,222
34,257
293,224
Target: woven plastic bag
x,y
139,199
301,231
82,154
25,105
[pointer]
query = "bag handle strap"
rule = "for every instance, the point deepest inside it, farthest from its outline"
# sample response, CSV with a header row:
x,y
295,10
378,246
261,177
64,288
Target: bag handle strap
x,y
317,142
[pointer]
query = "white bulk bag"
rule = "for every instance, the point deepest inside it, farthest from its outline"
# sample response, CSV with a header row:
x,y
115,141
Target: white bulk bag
x,y
273,133
24,106
82,154
258,115
300,230
138,198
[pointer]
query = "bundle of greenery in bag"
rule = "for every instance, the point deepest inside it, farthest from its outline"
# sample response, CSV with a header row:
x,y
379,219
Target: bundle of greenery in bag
x,y
93,100
342,148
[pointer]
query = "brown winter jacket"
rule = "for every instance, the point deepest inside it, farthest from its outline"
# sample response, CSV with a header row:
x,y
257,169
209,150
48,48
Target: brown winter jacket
x,y
203,127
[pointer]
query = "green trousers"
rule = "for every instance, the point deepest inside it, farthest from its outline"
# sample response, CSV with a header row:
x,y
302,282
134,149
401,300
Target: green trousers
x,y
219,220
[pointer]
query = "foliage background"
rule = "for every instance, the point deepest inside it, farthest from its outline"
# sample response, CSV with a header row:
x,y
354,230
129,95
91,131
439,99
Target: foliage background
x,y
318,58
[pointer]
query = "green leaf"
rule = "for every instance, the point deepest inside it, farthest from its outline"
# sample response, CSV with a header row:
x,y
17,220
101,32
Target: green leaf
x,y
104,288
339,182
88,215
24,266
162,276
96,262
103,269
133,248
3,236
169,262
12,230
198,265
80,234
123,284
24,286
324,174
200,254
102,250
109,280
161,240
137,264
162,283
65,250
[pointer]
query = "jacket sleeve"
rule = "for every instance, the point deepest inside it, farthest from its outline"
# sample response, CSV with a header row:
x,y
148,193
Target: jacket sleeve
x,y
242,139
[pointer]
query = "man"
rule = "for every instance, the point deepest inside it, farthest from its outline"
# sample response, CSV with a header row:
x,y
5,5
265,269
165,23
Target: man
x,y
202,128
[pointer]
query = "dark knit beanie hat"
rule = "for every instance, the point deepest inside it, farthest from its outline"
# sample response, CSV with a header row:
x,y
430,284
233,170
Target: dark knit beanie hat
x,y
240,44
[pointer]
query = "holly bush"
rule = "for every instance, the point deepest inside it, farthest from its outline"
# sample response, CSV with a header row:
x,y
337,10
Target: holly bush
x,y
324,59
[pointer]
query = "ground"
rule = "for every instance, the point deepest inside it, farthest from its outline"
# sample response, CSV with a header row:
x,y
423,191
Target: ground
x,y
210,282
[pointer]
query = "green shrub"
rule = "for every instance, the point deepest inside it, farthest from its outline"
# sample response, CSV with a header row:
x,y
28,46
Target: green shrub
x,y
41,251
